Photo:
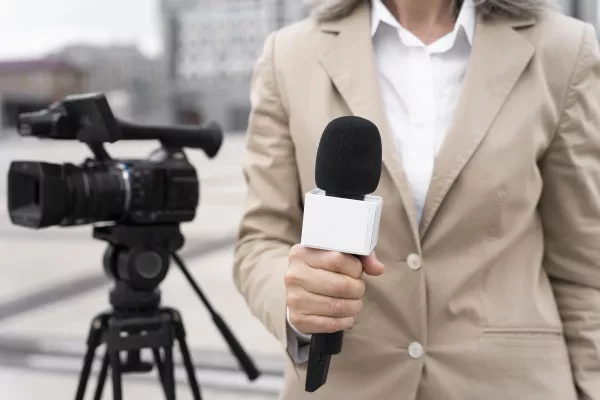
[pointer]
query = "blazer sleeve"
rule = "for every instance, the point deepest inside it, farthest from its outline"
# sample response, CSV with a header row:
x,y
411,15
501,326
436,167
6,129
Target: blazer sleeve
x,y
272,219
570,212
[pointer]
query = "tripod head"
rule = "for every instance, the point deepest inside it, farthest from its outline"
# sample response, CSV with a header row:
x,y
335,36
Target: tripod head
x,y
138,259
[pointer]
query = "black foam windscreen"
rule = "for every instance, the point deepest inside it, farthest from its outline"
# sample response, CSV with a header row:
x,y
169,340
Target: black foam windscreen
x,y
349,157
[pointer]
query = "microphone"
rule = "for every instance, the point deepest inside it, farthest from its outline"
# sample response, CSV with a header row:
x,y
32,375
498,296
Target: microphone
x,y
341,215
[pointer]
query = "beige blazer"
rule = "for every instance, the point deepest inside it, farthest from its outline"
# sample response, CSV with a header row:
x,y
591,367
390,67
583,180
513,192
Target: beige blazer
x,y
507,299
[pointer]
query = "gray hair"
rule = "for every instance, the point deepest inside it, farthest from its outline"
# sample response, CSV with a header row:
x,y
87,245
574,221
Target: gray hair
x,y
327,10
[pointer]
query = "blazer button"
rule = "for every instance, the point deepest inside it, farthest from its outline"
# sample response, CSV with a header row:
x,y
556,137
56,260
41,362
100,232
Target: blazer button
x,y
414,262
415,350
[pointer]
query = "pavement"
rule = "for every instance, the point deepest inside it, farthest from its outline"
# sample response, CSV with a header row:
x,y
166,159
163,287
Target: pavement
x,y
52,284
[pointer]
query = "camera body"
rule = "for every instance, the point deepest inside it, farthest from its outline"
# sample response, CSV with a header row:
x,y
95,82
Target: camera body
x,y
152,191
162,189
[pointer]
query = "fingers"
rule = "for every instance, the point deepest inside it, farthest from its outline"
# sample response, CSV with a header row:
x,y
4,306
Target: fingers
x,y
371,265
303,302
324,289
323,282
310,324
340,263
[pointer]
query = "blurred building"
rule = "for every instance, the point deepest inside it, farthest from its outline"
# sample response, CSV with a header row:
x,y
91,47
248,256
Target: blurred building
x,y
45,79
27,85
213,45
585,10
136,84
214,48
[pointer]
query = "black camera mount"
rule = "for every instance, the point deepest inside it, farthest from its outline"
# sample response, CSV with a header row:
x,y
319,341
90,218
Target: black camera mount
x,y
138,259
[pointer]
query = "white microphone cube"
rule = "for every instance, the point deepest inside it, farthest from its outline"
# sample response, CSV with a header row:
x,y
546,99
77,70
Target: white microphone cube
x,y
339,224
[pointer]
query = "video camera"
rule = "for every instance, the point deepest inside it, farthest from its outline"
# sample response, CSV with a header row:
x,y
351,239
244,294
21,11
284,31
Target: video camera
x,y
162,189
144,202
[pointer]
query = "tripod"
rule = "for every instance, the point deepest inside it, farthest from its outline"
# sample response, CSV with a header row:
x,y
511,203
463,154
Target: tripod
x,y
138,258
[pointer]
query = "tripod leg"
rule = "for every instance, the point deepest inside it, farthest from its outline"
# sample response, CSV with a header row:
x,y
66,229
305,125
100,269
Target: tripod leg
x,y
85,373
102,377
115,365
189,367
185,354
169,373
160,367
93,342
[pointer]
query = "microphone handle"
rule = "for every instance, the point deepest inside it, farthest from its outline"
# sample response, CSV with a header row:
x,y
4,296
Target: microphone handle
x,y
327,343
322,347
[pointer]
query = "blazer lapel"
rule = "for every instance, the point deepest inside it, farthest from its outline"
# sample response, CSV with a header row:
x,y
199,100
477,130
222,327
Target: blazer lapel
x,y
499,57
347,56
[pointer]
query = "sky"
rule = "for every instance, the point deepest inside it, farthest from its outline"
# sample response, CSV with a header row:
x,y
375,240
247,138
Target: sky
x,y
32,28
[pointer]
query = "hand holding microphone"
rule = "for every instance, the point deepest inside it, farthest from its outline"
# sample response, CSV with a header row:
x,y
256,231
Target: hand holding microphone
x,y
339,232
325,288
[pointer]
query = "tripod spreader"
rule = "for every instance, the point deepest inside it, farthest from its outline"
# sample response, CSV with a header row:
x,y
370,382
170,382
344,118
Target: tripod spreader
x,y
157,332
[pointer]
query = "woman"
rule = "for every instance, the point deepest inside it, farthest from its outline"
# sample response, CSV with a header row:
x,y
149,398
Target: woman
x,y
490,120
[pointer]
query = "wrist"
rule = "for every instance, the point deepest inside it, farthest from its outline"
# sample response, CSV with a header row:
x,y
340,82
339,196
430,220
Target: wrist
x,y
301,336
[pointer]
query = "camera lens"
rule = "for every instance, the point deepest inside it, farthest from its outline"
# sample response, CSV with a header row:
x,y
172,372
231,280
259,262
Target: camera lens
x,y
36,194
96,193
43,194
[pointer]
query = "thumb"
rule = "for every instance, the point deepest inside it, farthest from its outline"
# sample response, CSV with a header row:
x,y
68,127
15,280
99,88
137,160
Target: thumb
x,y
371,265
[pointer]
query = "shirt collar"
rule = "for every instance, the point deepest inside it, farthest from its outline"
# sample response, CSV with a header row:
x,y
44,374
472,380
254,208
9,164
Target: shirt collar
x,y
466,20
